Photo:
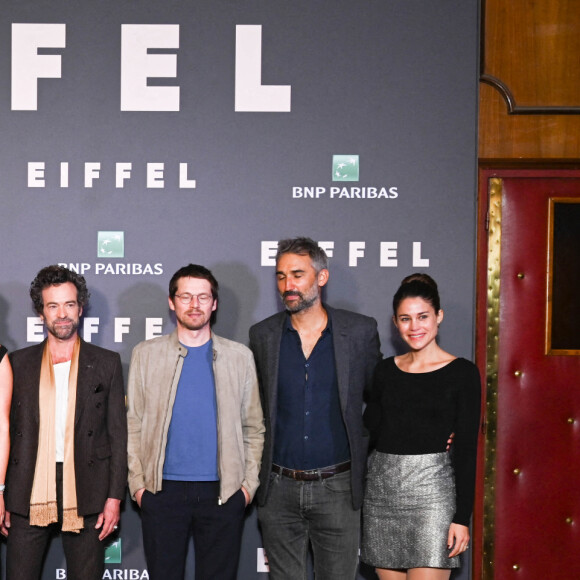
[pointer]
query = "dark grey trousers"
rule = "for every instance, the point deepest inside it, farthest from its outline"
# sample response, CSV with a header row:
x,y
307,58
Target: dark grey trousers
x,y
27,545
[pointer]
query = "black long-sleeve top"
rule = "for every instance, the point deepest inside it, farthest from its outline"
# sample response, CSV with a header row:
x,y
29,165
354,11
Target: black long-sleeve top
x,y
414,413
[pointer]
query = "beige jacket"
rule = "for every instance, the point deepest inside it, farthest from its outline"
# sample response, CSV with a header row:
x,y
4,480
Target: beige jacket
x,y
153,377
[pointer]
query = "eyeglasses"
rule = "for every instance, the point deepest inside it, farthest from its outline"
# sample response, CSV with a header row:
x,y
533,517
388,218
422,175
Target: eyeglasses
x,y
186,298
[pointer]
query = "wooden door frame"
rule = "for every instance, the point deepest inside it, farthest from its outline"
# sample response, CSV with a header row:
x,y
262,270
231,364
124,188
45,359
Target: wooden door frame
x,y
487,300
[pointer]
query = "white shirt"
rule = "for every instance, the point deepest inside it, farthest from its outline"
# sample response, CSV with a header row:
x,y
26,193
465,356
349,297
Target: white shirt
x,y
61,375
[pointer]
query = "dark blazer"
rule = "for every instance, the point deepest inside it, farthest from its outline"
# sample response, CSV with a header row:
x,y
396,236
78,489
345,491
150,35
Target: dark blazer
x,y
356,352
100,429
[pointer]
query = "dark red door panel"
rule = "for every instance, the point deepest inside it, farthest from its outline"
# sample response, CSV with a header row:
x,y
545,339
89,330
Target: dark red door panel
x,y
535,479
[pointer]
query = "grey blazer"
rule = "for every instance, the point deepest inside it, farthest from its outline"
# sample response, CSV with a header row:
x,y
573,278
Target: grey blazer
x,y
356,350
100,431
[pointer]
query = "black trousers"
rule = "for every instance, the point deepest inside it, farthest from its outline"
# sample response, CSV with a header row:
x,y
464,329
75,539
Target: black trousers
x,y
84,552
182,508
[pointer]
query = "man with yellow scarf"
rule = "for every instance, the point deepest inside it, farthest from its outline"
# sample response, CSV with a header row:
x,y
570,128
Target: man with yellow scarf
x,y
68,465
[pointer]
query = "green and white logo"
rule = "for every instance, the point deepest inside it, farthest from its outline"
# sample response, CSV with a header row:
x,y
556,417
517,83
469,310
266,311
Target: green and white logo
x,y
111,245
345,168
113,552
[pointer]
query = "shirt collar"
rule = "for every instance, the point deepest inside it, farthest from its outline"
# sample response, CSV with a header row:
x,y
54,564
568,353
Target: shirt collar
x,y
289,328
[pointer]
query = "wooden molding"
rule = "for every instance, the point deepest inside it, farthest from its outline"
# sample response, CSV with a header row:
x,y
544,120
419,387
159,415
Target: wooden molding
x,y
515,109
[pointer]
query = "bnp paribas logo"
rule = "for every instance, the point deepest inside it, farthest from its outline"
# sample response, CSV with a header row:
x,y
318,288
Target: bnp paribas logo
x,y
345,168
111,245
113,552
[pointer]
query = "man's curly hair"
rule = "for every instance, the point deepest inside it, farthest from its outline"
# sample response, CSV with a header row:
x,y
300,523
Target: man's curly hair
x,y
53,276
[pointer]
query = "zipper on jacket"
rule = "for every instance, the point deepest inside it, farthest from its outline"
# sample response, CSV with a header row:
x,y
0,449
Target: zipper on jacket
x,y
218,427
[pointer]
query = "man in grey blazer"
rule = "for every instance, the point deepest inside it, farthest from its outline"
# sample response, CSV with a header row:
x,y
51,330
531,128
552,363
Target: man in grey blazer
x,y
67,469
314,363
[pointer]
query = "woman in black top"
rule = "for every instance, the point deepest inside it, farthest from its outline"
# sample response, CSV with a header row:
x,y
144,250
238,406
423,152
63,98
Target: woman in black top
x,y
419,497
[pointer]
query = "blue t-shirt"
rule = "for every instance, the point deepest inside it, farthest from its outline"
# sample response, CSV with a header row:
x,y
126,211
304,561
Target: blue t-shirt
x,y
191,452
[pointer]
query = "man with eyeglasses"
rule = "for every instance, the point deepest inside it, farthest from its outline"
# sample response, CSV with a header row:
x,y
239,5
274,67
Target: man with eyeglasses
x,y
196,433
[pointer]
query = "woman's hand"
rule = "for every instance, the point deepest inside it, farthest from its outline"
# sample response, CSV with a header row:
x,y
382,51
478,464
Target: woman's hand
x,y
458,539
5,527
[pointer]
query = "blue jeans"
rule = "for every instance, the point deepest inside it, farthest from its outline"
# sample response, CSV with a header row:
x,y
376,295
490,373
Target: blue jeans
x,y
319,513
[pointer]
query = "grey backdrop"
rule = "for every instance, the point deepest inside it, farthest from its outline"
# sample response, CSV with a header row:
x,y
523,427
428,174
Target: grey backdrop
x,y
393,82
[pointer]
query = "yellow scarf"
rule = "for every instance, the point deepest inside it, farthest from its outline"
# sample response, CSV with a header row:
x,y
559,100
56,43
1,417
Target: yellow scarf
x,y
43,508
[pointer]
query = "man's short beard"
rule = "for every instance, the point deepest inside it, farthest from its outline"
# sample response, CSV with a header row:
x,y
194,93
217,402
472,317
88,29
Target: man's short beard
x,y
302,304
63,336
194,325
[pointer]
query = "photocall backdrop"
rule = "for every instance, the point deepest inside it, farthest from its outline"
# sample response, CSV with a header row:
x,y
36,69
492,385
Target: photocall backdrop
x,y
137,137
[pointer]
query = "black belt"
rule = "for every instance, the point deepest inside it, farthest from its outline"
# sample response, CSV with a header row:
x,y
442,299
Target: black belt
x,y
311,474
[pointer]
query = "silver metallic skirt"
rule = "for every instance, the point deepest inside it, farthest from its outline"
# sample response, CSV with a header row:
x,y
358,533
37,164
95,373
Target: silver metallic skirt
x,y
408,507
